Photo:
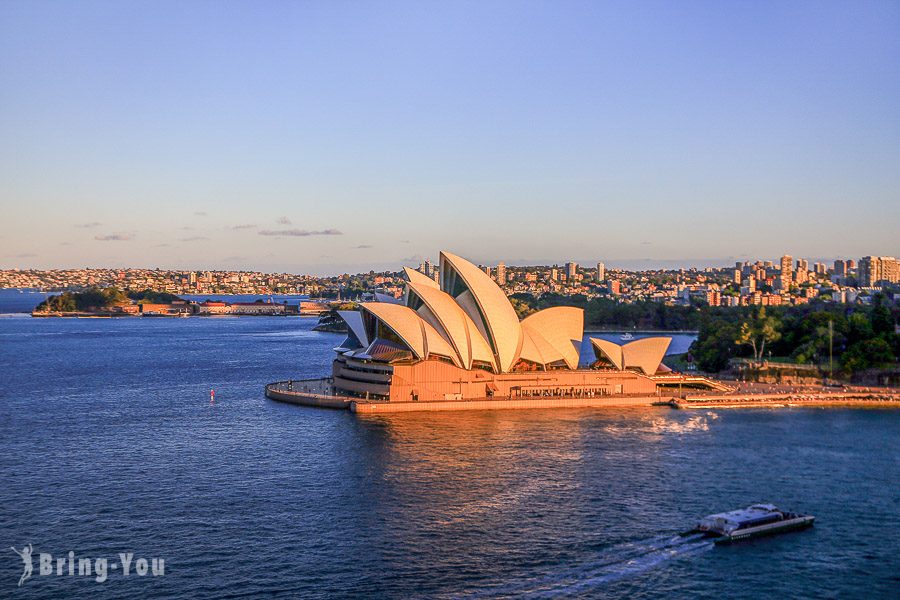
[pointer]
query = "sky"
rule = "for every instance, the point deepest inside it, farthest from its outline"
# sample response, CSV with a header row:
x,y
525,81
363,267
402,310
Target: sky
x,y
329,137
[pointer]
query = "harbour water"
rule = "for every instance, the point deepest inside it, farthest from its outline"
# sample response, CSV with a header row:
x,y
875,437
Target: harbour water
x,y
109,443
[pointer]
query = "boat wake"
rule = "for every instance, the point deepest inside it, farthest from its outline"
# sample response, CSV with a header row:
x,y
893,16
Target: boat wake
x,y
613,564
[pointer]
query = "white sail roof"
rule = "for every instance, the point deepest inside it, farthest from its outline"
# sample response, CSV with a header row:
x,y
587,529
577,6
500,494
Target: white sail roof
x,y
562,327
353,319
414,276
499,320
645,354
461,331
421,338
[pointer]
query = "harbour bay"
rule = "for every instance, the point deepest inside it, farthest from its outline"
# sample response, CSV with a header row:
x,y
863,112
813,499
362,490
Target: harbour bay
x,y
111,445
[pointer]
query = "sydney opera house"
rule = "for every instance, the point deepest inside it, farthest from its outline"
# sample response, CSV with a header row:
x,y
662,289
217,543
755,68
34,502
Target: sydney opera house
x,y
459,338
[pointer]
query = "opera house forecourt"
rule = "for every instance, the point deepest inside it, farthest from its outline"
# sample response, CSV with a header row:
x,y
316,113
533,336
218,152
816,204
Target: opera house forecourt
x,y
457,343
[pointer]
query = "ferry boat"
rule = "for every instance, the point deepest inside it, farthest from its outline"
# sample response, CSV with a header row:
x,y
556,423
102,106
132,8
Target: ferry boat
x,y
626,336
754,521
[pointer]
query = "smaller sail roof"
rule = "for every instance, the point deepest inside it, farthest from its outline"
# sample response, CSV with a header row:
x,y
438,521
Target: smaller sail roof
x,y
611,351
421,338
645,354
353,319
562,327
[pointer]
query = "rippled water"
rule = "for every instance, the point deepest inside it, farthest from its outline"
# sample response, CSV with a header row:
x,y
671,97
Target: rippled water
x,y
110,444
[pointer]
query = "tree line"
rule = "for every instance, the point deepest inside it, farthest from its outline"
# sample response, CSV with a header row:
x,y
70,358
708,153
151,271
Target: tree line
x,y
854,337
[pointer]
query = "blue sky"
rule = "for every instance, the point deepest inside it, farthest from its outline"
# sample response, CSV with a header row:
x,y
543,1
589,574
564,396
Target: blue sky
x,y
341,136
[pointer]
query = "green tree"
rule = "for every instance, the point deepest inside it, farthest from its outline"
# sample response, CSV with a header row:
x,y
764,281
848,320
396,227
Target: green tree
x,y
758,330
874,353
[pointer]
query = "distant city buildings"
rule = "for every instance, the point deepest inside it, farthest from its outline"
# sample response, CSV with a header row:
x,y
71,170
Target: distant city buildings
x,y
759,283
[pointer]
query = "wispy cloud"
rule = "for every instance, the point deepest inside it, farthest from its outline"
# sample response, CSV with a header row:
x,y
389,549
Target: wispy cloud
x,y
193,238
161,245
90,225
114,237
26,255
298,232
362,247
283,221
200,213
243,226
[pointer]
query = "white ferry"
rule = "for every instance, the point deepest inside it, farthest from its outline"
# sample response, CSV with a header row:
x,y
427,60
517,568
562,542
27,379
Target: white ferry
x,y
626,336
754,521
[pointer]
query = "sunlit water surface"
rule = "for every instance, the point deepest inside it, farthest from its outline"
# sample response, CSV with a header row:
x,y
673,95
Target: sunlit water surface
x,y
110,444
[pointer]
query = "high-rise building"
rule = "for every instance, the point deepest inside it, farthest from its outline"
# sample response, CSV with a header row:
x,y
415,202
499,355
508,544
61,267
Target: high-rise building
x,y
554,274
615,287
736,276
820,268
571,270
840,268
501,273
601,271
786,276
428,269
487,270
802,274
873,269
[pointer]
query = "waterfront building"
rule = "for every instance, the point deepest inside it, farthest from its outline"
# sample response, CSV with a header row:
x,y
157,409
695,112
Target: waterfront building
x,y
461,339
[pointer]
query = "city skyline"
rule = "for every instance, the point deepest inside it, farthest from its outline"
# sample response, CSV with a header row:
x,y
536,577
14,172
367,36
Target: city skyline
x,y
326,139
